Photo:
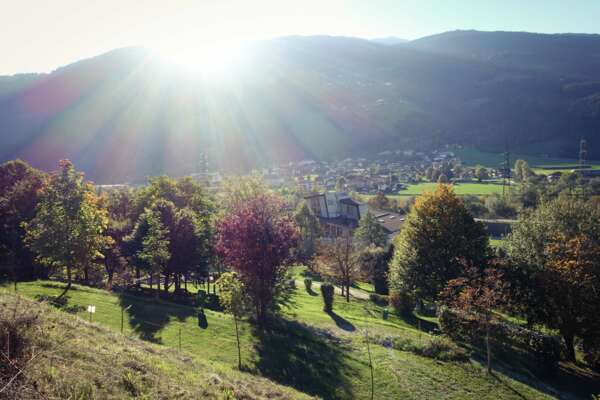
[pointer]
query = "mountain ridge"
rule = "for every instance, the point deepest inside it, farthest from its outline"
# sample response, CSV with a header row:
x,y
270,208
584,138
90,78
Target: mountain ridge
x,y
122,115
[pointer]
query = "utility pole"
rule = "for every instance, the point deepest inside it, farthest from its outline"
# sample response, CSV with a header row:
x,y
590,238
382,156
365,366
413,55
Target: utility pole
x,y
506,173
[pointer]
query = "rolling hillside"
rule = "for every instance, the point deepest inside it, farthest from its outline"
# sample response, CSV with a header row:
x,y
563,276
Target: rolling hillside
x,y
124,115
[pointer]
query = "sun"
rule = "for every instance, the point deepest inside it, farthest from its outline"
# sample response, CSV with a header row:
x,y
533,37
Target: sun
x,y
215,60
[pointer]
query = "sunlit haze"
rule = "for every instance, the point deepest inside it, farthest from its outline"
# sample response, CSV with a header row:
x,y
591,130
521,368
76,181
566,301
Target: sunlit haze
x,y
43,35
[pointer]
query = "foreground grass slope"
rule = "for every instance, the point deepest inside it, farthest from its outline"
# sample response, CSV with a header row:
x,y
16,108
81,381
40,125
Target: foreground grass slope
x,y
82,360
314,352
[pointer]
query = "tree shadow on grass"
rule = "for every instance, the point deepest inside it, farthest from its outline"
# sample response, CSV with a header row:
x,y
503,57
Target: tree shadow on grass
x,y
311,292
307,359
421,324
61,303
148,315
520,365
341,322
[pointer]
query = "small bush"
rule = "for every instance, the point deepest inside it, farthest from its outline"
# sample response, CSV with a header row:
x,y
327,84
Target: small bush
x,y
438,348
402,302
379,299
327,291
308,284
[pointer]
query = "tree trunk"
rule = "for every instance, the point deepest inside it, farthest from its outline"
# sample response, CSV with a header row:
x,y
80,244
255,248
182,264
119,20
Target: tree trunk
x,y
185,282
69,279
86,274
570,344
109,281
237,337
151,281
166,284
138,277
348,292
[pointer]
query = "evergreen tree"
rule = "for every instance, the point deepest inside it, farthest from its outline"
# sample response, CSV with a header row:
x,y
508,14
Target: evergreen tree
x,y
370,231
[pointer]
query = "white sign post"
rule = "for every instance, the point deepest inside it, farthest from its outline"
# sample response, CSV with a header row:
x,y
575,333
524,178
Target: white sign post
x,y
91,310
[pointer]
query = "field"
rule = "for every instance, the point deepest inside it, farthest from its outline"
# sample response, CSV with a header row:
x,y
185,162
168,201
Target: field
x,y
473,157
461,189
317,353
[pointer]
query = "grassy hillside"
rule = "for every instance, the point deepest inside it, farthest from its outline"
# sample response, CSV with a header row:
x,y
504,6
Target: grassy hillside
x,y
82,360
316,353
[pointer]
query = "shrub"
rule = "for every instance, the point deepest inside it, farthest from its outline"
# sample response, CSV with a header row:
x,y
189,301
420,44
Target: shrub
x,y
402,302
379,299
308,284
439,348
327,292
591,352
506,337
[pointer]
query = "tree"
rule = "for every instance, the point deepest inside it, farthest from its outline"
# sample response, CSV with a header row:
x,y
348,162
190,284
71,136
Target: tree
x,y
481,173
374,266
20,190
120,208
256,239
155,245
522,171
370,231
438,238
381,202
477,294
339,260
310,229
234,301
67,231
555,250
443,178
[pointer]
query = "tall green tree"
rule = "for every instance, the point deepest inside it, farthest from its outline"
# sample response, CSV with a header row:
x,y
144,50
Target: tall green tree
x,y
20,190
437,240
155,245
68,230
370,231
554,254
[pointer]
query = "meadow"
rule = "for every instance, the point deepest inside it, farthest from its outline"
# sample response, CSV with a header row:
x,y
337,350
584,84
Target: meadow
x,y
314,352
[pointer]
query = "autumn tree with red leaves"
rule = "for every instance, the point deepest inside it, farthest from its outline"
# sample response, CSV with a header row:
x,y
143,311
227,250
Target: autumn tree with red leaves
x,y
256,239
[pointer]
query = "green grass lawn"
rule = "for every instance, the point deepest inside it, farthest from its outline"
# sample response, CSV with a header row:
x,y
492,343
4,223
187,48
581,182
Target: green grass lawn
x,y
310,350
461,189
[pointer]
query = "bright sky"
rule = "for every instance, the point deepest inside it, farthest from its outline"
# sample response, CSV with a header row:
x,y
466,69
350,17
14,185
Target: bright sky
x,y
40,35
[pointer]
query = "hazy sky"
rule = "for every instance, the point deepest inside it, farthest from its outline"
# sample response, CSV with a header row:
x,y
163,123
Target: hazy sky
x,y
40,35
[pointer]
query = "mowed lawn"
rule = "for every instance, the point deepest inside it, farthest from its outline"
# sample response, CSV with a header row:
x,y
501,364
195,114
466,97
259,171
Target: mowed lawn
x,y
317,353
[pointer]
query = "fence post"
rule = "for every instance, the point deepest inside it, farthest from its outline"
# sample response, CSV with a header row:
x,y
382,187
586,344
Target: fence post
x,y
179,338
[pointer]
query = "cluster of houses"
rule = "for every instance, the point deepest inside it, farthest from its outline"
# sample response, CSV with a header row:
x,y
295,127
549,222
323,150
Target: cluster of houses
x,y
340,215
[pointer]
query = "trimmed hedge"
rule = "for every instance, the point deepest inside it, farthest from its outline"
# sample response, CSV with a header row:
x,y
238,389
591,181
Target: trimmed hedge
x,y
308,284
327,292
505,336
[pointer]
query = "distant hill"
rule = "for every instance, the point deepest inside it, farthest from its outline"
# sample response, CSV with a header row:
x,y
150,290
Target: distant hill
x,y
390,40
124,115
